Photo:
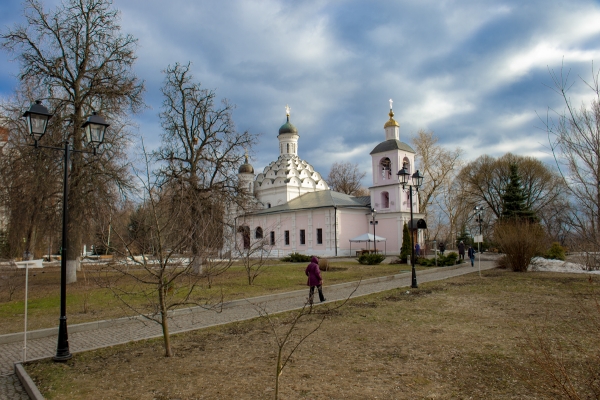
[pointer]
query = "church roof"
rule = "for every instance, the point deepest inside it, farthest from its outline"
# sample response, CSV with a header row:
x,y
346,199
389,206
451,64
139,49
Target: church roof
x,y
391,144
291,167
391,121
246,168
288,127
320,199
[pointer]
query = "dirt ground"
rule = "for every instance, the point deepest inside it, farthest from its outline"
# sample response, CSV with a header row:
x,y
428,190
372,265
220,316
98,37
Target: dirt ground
x,y
464,338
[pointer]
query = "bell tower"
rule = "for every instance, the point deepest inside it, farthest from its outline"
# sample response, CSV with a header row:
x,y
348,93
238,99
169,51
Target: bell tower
x,y
387,158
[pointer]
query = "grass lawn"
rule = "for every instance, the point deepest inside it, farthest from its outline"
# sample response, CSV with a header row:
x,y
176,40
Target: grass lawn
x,y
88,301
461,338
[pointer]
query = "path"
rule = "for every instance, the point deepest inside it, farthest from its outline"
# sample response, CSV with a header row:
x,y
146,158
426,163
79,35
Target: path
x,y
81,338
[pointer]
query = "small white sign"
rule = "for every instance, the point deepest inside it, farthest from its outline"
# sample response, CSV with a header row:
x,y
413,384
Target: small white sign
x,y
30,264
478,238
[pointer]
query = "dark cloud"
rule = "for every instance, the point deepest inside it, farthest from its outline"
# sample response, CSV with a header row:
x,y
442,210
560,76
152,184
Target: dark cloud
x,y
474,72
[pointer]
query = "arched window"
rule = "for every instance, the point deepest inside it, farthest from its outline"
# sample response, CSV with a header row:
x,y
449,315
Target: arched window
x,y
385,200
406,165
288,148
386,168
258,234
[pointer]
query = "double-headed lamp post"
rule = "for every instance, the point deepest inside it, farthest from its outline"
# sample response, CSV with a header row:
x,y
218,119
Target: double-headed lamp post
x,y
374,222
410,182
478,212
37,121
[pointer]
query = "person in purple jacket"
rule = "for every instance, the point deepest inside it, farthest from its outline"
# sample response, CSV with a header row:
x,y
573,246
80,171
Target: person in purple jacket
x,y
314,279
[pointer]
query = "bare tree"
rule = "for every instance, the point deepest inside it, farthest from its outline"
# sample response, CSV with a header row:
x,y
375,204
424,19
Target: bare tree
x,y
201,151
30,182
487,178
437,164
158,283
254,254
289,334
78,56
345,177
574,137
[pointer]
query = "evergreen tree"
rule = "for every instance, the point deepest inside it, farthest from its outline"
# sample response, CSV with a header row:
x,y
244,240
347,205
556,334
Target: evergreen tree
x,y
405,251
514,205
464,236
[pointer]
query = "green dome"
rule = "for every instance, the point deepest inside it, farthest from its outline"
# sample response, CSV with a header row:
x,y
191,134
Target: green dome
x,y
288,127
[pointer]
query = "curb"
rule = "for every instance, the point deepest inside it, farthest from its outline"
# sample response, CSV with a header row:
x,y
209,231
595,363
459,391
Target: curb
x,y
27,382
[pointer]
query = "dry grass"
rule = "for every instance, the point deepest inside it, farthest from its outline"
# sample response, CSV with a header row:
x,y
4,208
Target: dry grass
x,y
461,338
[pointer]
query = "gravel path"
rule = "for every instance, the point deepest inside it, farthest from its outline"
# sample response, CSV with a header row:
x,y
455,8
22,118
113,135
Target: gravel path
x,y
135,329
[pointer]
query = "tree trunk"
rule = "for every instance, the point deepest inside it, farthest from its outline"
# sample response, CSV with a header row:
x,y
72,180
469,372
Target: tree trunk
x,y
164,321
278,373
197,265
72,270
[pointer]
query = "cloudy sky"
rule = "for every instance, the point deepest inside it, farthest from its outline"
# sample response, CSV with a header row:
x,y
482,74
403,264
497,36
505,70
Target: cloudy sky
x,y
475,72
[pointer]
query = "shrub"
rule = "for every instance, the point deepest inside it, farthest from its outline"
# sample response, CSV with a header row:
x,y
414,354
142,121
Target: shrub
x,y
451,259
323,264
296,257
556,252
442,261
371,259
520,241
405,250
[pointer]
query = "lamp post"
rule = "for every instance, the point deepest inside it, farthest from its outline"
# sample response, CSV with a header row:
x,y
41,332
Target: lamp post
x,y
373,222
410,182
37,121
478,212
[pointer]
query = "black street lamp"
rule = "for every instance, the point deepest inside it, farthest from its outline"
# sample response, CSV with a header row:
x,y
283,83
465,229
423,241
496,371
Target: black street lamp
x,y
410,182
37,121
478,212
373,222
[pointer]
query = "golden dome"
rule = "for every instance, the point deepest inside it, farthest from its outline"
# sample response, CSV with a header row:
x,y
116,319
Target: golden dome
x,y
391,121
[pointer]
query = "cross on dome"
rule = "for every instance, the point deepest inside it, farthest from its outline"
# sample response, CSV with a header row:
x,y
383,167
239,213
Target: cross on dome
x,y
391,101
287,110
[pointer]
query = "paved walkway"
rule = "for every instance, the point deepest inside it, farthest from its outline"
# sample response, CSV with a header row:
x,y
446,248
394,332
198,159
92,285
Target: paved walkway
x,y
135,329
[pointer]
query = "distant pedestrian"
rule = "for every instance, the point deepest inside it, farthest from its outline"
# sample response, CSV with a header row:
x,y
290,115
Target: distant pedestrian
x,y
314,279
471,253
418,250
461,250
442,247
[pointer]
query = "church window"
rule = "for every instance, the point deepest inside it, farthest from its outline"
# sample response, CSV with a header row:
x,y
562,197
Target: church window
x,y
268,205
272,237
406,165
385,200
302,236
287,238
386,168
258,233
245,231
319,236
288,148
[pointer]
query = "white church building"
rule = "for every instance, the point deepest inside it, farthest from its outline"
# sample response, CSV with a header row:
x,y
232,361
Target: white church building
x,y
295,210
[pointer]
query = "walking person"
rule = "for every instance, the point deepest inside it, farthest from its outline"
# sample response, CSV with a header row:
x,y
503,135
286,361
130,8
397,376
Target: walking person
x,y
461,250
418,250
314,279
471,254
442,247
